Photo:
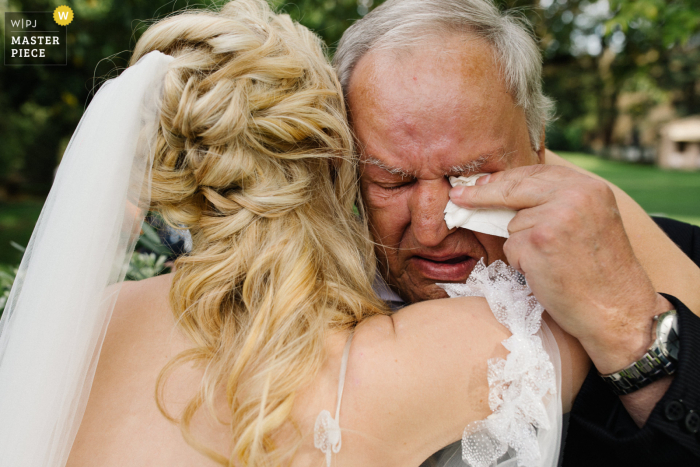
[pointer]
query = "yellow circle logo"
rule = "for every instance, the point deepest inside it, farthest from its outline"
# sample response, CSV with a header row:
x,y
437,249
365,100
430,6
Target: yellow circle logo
x,y
63,15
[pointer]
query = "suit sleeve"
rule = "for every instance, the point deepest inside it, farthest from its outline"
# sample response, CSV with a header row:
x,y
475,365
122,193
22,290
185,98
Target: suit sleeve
x,y
600,429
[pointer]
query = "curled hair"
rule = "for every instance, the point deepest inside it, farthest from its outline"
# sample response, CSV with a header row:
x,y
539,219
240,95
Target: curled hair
x,y
402,23
255,158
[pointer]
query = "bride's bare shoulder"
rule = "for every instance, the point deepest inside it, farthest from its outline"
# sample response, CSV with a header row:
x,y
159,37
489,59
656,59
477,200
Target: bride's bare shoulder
x,y
140,304
122,423
142,325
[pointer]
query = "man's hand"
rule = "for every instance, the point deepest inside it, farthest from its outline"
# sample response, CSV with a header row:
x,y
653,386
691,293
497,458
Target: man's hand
x,y
569,241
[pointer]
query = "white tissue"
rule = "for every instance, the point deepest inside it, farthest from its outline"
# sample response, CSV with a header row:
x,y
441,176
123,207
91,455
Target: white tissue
x,y
488,221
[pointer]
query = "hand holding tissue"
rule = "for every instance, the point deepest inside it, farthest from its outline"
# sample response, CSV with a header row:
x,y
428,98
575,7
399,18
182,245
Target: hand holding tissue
x,y
488,221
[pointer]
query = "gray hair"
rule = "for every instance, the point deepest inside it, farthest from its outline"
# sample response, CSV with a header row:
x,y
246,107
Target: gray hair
x,y
402,23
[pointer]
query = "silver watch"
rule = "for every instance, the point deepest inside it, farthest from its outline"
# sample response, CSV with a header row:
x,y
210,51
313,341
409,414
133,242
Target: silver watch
x,y
660,360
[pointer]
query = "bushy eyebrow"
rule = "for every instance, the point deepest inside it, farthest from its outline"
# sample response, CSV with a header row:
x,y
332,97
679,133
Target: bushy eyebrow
x,y
392,170
471,166
474,166
477,164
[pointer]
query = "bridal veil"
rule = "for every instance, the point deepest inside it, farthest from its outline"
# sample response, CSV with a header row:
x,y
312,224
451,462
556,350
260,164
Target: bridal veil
x,y
55,320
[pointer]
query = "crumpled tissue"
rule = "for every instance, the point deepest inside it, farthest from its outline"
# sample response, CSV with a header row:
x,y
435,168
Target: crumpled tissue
x,y
488,221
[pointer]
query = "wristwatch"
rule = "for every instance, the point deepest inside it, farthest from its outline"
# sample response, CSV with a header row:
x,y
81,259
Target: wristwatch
x,y
660,360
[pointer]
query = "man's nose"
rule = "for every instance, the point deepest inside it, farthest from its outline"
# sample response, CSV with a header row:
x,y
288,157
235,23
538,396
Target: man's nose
x,y
428,202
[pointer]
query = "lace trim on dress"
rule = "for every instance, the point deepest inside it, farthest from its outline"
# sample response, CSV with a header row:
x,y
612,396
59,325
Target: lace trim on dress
x,y
518,384
327,429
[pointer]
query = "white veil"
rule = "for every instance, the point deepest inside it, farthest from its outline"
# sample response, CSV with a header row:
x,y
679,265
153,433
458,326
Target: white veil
x,y
56,316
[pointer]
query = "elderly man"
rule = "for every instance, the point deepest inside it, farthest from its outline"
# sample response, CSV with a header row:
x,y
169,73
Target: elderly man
x,y
440,88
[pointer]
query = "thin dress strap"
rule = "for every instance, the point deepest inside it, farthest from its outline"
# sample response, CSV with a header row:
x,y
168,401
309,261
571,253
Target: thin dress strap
x,y
327,429
341,378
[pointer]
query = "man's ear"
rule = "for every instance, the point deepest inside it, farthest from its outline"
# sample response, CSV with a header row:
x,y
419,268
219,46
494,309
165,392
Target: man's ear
x,y
540,151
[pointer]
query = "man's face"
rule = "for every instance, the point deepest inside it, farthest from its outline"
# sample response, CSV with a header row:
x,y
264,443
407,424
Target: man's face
x,y
421,116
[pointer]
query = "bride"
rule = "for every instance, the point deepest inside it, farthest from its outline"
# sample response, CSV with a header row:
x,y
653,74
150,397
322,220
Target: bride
x,y
267,345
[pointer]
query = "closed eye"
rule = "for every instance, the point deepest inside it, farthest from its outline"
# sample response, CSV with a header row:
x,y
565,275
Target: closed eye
x,y
396,186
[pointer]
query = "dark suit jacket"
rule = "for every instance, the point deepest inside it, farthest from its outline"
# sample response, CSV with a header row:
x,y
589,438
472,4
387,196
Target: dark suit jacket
x,y
602,433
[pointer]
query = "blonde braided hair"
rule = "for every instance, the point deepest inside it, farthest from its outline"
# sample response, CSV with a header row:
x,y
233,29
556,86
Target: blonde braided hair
x,y
255,158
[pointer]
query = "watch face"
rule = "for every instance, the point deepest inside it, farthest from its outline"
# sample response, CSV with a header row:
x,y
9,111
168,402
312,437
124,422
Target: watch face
x,y
667,335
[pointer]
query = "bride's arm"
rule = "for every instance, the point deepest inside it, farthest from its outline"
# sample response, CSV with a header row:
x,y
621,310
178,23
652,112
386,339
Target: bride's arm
x,y
417,379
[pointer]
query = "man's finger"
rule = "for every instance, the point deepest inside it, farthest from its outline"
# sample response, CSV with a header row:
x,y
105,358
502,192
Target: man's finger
x,y
511,194
539,171
517,188
514,249
525,219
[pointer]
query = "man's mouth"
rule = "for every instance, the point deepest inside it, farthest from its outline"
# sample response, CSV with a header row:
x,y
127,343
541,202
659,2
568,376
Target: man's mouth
x,y
444,269
458,259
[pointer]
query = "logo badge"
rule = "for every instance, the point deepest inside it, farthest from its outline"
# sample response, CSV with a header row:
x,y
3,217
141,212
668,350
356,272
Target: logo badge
x,y
63,15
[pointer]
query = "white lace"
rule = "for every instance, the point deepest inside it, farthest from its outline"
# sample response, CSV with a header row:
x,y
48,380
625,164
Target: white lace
x,y
327,435
521,386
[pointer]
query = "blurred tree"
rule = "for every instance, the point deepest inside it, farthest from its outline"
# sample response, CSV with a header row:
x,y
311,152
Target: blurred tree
x,y
328,18
593,53
42,105
596,51
671,30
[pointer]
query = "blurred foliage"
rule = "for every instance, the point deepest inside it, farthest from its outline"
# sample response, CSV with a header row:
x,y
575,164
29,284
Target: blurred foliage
x,y
328,18
145,265
42,105
150,241
149,260
17,219
594,52
7,277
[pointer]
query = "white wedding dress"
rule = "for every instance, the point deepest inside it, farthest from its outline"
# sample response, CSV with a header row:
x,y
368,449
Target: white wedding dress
x,y
524,389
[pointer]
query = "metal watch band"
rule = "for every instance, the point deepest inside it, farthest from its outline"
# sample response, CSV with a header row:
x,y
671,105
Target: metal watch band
x,y
654,365
651,367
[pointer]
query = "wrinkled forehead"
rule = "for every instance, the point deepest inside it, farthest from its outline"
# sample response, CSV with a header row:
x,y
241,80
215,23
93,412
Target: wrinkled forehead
x,y
436,54
443,107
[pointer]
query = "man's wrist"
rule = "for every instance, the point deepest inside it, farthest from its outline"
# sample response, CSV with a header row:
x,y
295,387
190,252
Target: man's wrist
x,y
621,346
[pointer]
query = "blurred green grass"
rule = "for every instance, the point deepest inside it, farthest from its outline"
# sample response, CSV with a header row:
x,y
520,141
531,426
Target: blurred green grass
x,y
660,192
17,219
666,193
